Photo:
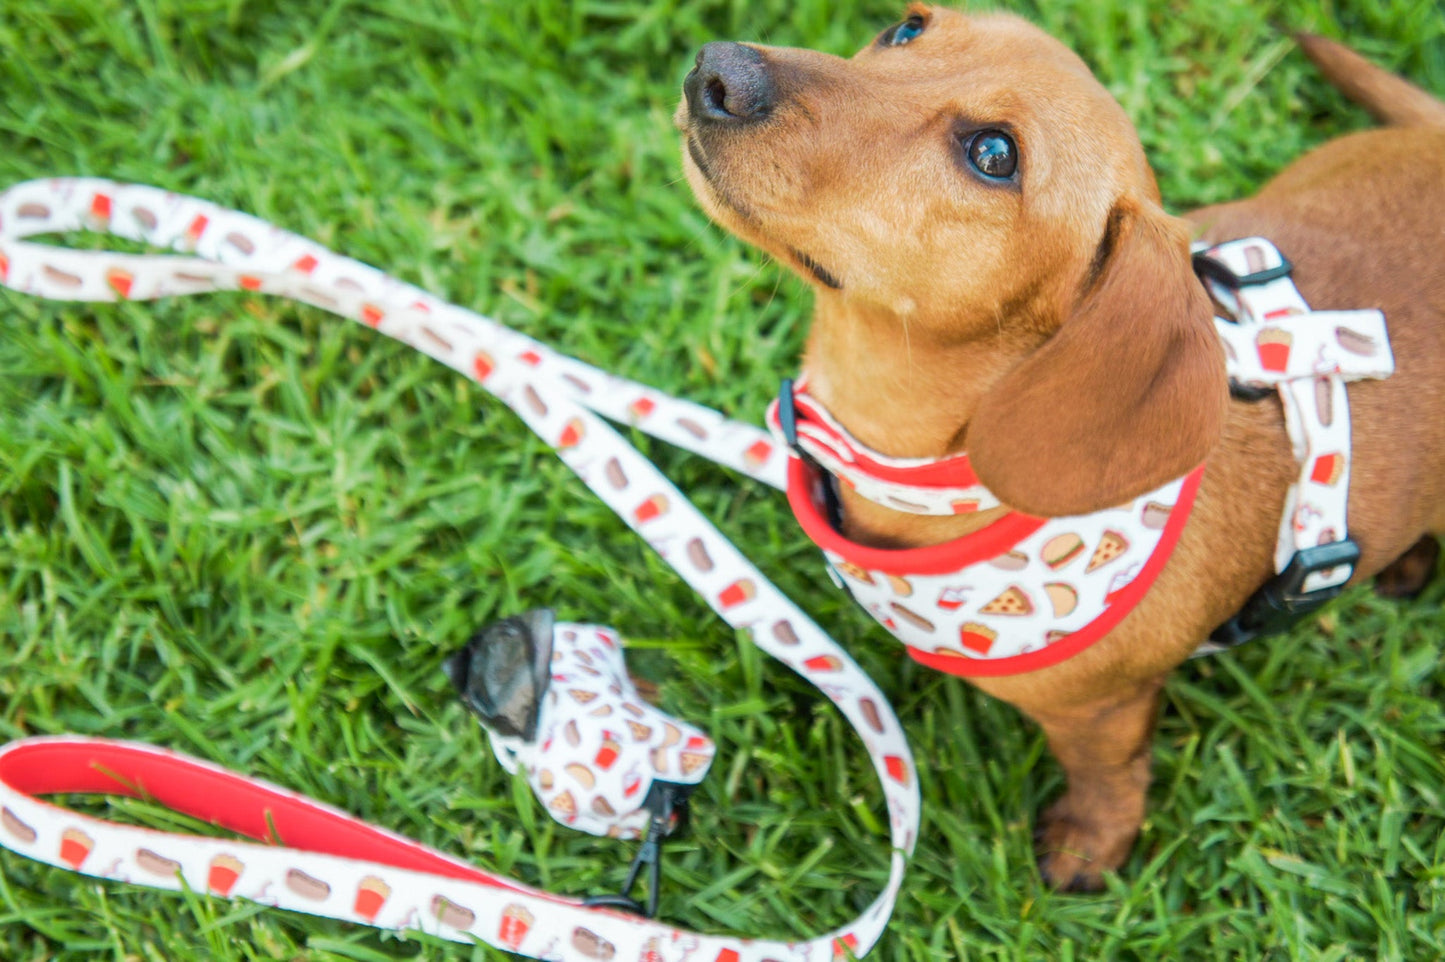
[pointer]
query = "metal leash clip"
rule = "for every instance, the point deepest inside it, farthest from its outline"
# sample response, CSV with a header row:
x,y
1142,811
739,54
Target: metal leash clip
x,y
557,703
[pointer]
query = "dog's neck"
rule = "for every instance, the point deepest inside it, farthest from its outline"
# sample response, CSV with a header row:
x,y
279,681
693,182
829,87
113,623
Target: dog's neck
x,y
903,391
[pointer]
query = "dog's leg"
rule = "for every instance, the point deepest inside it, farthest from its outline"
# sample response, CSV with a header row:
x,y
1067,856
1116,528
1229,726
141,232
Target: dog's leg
x,y
1106,749
1407,575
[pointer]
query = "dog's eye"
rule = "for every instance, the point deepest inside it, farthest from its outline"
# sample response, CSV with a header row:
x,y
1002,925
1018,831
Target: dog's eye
x,y
993,154
900,33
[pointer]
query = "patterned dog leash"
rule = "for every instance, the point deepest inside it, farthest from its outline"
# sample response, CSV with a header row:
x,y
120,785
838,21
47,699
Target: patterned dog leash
x,y
315,858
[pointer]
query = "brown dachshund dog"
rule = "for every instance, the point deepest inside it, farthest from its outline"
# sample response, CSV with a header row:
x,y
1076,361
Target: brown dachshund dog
x,y
994,273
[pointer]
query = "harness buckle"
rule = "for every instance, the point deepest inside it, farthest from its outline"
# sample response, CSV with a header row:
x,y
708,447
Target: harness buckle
x,y
788,418
788,424
1217,270
1213,269
1283,599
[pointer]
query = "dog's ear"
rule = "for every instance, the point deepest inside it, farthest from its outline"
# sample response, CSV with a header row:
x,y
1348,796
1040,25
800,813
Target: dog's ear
x,y
1128,394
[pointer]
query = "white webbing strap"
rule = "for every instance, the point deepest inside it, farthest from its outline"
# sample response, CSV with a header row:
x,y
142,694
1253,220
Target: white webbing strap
x,y
1275,340
560,399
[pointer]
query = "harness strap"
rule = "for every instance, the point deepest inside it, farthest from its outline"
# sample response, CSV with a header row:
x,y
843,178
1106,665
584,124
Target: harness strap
x,y
1273,340
320,860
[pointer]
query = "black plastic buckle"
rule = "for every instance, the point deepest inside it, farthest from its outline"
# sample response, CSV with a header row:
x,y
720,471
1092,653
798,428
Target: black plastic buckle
x,y
788,422
1215,270
1206,266
1249,392
1283,599
667,801
788,418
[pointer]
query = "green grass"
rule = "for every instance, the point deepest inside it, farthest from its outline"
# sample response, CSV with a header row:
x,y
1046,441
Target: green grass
x,y
249,531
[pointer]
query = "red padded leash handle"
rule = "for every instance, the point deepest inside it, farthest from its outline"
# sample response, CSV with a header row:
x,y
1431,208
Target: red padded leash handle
x,y
246,806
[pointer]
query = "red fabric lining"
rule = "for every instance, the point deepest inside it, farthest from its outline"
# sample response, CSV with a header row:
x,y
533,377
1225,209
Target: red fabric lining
x,y
951,472
1120,604
225,799
990,542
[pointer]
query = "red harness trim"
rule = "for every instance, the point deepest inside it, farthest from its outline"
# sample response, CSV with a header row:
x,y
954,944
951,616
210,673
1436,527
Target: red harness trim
x,y
983,545
951,472
989,542
1119,604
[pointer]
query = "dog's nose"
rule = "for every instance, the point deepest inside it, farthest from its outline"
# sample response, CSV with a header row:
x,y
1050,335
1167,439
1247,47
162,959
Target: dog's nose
x,y
729,84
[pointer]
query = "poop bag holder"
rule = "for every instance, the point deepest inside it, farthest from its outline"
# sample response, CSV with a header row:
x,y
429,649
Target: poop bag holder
x,y
558,705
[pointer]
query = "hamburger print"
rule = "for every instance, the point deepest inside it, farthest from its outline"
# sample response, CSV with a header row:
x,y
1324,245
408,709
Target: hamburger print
x,y
1058,551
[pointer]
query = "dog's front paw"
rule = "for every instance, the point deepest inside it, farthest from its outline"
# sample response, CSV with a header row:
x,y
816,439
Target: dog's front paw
x,y
1075,848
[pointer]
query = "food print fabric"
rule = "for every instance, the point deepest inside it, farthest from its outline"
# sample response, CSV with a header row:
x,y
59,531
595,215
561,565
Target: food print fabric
x,y
891,482
599,746
1056,581
1273,339
1016,596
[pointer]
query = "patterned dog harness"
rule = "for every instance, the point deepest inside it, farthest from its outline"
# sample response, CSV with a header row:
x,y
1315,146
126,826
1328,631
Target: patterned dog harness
x,y
1025,593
